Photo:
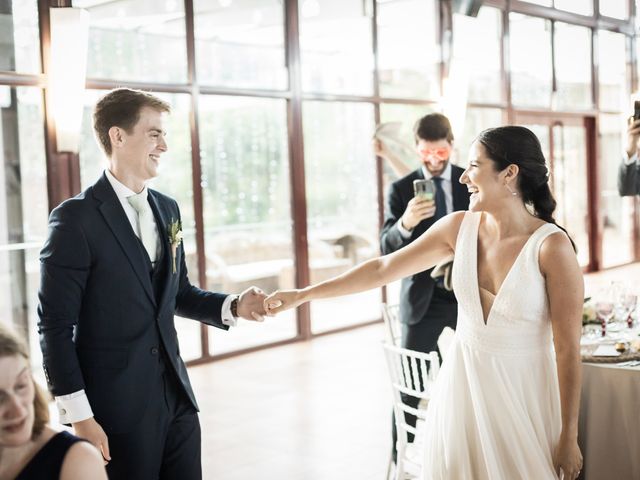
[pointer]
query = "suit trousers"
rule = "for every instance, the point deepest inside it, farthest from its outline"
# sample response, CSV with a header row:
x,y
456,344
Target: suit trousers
x,y
423,337
166,444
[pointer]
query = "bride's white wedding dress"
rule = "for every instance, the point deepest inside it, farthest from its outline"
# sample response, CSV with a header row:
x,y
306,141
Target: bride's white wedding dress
x,y
495,409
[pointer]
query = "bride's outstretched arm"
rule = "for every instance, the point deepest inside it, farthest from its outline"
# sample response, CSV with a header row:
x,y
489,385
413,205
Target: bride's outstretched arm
x,y
436,244
565,289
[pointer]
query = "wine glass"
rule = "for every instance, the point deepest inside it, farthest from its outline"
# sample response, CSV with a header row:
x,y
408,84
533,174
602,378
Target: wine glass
x,y
605,308
604,311
628,302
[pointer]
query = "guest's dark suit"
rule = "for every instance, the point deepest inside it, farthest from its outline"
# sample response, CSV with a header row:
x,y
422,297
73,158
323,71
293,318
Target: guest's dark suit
x,y
425,309
629,179
106,326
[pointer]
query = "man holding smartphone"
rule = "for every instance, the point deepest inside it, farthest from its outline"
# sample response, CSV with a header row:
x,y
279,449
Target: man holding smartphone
x,y
629,174
426,307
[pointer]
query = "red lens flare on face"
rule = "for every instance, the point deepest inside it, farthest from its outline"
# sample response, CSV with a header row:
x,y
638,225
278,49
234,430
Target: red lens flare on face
x,y
439,153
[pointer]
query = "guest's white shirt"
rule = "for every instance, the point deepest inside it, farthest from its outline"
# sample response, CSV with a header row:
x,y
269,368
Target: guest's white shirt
x,y
75,406
628,160
446,187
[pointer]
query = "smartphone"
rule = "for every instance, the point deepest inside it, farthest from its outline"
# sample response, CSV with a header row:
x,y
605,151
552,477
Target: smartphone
x,y
424,189
636,110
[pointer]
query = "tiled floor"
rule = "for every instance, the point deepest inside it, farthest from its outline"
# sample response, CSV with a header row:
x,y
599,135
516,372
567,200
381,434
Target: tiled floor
x,y
313,410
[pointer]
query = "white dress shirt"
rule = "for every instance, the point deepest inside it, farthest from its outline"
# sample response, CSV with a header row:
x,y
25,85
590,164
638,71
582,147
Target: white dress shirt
x,y
75,406
628,160
448,194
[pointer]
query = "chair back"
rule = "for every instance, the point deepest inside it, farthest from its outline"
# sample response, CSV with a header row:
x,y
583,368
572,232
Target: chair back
x,y
411,373
393,326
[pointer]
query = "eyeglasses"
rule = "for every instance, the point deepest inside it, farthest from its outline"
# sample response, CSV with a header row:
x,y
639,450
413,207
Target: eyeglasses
x,y
439,153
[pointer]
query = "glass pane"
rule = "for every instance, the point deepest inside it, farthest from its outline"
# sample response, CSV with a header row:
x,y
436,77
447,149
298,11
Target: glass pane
x,y
20,37
476,120
617,212
342,205
544,3
476,44
247,208
142,40
615,8
530,74
336,47
582,7
24,209
174,179
614,86
408,49
573,66
246,37
569,185
406,117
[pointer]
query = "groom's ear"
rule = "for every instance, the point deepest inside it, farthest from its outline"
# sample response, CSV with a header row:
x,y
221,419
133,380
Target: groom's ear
x,y
116,136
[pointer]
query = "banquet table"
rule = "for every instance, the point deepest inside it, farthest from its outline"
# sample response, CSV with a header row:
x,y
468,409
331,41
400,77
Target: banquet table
x,y
609,424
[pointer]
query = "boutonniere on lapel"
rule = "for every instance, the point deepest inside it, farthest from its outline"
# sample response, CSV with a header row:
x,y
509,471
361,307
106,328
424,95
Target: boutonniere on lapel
x,y
175,238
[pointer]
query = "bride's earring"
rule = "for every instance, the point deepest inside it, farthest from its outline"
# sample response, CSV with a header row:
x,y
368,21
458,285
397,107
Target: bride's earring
x,y
510,190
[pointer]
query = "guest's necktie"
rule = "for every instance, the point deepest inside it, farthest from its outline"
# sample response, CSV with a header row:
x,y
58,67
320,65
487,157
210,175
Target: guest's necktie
x,y
146,223
441,200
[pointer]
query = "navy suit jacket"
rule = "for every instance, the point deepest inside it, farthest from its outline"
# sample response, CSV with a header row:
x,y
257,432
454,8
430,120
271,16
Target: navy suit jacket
x,y
415,291
101,325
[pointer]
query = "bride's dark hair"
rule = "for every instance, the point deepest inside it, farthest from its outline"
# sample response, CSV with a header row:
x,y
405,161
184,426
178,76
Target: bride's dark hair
x,y
519,146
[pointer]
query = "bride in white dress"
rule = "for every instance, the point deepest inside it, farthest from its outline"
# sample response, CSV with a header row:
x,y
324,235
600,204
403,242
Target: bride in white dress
x,y
505,404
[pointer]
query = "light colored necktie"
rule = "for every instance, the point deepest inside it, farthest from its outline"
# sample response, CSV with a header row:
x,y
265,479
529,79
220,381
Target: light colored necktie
x,y
146,223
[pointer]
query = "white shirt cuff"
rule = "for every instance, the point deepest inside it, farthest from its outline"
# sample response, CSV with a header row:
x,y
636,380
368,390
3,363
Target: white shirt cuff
x,y
628,160
74,407
227,318
403,231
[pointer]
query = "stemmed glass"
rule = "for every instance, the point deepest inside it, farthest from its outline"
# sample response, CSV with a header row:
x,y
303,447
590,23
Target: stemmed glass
x,y
628,302
605,308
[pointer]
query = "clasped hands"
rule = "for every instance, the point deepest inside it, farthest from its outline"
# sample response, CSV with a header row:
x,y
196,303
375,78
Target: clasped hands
x,y
254,304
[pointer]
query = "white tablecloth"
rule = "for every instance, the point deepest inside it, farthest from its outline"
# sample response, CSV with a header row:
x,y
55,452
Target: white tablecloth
x,y
609,426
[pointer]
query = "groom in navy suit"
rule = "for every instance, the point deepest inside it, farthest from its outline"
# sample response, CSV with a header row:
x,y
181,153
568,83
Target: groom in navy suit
x,y
113,275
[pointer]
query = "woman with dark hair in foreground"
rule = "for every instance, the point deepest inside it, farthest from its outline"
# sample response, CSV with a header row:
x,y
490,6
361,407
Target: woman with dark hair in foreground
x,y
505,403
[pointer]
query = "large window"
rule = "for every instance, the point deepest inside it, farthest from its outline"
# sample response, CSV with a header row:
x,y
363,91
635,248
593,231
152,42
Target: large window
x,y
582,7
408,50
23,208
342,204
336,47
476,44
240,44
614,84
530,74
573,67
617,212
615,8
246,207
19,50
138,41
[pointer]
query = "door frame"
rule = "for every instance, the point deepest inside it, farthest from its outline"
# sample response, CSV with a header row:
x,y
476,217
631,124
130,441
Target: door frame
x,y
589,123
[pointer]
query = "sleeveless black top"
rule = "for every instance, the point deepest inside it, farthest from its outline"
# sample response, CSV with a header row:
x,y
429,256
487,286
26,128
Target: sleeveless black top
x,y
47,463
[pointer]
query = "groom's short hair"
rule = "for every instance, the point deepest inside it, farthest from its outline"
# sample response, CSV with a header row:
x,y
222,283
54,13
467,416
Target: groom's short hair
x,y
433,127
121,108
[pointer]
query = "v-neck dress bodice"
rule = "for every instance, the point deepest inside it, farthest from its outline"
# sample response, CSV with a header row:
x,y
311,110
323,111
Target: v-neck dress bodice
x,y
495,409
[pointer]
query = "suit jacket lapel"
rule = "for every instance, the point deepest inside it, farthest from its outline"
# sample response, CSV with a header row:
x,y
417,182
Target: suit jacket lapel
x,y
114,215
162,218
